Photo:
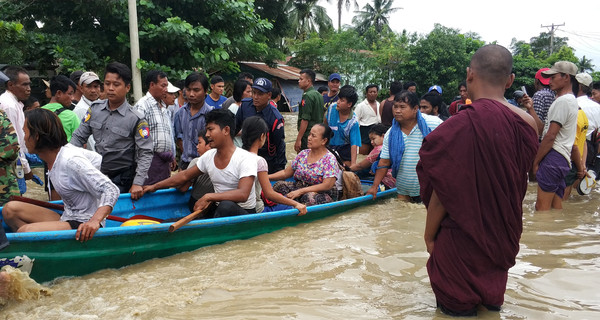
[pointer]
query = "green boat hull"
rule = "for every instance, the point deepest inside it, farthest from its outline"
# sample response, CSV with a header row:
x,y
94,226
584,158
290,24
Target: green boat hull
x,y
58,254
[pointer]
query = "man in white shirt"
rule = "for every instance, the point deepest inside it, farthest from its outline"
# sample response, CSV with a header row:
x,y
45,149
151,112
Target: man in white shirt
x,y
592,111
553,159
232,171
367,113
89,85
18,89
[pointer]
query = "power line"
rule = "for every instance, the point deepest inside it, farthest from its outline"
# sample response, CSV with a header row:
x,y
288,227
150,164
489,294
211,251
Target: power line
x,y
552,29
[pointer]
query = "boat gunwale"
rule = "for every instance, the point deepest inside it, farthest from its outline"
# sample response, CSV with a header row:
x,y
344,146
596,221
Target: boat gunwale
x,y
194,224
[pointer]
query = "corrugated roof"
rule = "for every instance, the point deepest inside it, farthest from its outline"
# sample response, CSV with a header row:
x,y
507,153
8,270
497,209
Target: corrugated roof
x,y
282,71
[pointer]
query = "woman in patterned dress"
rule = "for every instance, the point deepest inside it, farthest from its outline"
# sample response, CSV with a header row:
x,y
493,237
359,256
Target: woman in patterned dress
x,y
315,171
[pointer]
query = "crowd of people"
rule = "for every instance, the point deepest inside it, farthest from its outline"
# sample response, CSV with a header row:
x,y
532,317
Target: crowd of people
x,y
462,160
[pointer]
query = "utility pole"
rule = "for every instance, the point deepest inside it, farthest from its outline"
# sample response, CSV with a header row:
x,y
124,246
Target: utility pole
x,y
135,50
553,28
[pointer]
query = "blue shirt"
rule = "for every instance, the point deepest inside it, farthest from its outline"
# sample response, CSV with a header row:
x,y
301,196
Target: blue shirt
x,y
215,104
347,132
274,148
186,128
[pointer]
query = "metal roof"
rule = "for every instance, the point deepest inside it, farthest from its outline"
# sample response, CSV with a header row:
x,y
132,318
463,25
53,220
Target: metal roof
x,y
282,71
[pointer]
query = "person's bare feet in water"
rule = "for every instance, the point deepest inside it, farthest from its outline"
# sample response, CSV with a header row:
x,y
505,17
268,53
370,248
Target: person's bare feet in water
x,y
4,283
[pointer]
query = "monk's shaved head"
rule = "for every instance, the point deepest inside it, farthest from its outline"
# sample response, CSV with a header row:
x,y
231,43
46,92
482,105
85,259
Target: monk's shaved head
x,y
493,64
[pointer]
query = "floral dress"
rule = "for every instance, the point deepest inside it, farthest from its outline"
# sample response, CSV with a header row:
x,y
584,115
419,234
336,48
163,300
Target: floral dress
x,y
309,174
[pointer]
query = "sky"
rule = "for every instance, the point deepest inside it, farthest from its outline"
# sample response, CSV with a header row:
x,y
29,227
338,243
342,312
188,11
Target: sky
x,y
499,21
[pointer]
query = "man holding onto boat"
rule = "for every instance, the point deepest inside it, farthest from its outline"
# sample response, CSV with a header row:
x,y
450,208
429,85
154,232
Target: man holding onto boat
x,y
232,171
473,235
401,146
121,133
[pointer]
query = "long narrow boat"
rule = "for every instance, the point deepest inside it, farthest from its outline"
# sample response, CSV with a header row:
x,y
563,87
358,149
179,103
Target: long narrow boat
x,y
58,254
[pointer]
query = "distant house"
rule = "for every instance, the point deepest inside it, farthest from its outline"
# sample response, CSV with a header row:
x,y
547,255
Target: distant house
x,y
283,76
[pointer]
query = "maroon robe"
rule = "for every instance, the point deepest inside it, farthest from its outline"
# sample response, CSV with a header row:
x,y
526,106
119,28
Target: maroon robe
x,y
477,163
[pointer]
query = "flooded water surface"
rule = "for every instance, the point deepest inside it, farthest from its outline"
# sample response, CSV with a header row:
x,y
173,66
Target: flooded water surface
x,y
367,263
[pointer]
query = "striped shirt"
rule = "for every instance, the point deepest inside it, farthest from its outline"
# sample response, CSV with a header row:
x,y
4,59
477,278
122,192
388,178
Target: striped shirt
x,y
159,121
542,101
407,182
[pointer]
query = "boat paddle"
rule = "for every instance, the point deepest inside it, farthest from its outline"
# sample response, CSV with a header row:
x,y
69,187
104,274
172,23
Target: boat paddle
x,y
61,207
183,221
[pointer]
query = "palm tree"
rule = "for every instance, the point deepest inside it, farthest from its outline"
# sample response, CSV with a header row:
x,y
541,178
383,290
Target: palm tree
x,y
376,15
585,64
307,17
347,4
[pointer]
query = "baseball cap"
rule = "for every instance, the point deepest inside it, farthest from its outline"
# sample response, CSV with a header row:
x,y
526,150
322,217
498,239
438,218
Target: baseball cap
x,y
335,76
561,67
436,88
538,75
518,94
75,76
263,85
46,83
171,88
3,77
88,77
584,79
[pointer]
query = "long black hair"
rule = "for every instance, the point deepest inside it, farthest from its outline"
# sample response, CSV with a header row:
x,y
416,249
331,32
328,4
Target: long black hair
x,y
252,129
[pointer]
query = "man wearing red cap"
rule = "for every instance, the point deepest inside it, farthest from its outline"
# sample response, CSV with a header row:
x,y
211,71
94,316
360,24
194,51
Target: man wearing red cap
x,y
543,97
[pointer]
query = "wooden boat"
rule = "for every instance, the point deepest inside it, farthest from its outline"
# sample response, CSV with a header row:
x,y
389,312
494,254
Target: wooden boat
x,y
57,253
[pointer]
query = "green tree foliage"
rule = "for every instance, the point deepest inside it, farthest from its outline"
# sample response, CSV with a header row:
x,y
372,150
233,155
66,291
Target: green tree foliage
x,y
13,33
544,43
174,36
441,57
306,17
341,52
525,65
376,15
585,65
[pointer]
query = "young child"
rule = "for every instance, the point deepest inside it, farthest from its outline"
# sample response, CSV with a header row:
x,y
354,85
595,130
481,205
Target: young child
x,y
344,124
254,135
202,184
364,168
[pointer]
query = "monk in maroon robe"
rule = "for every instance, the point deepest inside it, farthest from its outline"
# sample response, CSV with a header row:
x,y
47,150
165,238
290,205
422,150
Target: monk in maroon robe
x,y
473,176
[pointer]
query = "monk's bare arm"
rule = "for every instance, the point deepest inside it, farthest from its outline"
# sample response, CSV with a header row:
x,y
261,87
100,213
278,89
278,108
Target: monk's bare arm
x,y
435,214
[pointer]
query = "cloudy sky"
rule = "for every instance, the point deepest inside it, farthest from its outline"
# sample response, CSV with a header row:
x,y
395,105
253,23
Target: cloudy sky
x,y
497,20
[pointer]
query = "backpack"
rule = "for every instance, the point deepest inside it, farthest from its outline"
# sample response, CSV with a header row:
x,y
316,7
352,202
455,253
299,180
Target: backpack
x,y
351,186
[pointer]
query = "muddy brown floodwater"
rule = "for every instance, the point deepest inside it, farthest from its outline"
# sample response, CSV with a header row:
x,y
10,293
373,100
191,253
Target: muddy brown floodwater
x,y
368,263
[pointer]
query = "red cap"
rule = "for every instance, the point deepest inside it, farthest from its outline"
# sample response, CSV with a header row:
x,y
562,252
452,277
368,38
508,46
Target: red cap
x,y
538,75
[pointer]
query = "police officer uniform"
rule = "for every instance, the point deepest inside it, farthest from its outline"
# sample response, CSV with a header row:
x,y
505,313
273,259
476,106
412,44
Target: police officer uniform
x,y
122,138
274,148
